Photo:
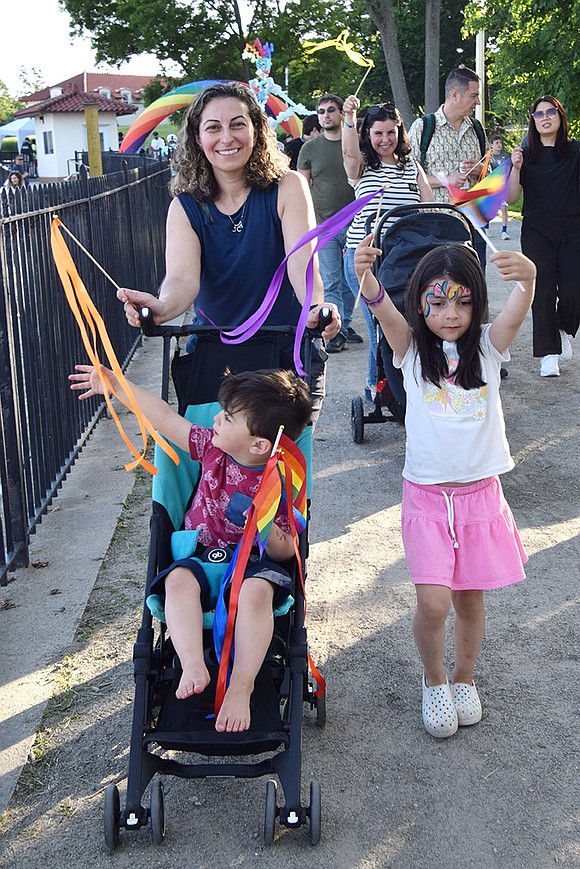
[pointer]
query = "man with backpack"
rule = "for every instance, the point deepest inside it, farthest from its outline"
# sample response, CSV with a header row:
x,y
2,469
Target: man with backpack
x,y
450,142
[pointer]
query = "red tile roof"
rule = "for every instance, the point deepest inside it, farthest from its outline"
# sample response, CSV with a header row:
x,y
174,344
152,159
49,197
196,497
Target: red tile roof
x,y
76,102
91,81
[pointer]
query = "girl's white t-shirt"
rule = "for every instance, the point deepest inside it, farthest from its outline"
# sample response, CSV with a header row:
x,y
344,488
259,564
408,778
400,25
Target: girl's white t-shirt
x,y
454,434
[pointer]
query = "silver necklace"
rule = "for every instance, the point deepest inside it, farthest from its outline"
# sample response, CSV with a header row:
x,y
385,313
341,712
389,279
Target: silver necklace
x,y
238,225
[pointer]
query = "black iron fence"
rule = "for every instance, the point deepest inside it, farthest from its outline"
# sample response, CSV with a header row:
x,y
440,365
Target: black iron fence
x,y
120,219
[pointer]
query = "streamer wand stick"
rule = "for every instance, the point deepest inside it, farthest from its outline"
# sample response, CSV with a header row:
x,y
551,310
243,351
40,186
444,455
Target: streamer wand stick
x,y
90,256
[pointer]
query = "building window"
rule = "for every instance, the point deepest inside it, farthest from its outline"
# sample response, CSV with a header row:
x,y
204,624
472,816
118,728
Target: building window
x,y
105,92
48,142
126,95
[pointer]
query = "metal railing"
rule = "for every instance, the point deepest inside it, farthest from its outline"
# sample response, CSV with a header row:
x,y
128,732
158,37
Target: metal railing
x,y
120,219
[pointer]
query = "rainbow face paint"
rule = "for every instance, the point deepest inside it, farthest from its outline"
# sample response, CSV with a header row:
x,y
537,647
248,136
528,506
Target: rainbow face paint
x,y
444,289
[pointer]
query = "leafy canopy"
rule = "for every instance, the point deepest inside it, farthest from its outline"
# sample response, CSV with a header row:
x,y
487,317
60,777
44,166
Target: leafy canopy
x,y
533,48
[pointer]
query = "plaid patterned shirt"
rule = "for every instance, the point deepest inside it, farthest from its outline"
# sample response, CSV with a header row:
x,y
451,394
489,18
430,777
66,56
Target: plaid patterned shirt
x,y
446,149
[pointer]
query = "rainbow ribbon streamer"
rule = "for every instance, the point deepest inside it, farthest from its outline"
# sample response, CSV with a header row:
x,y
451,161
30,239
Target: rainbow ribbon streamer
x,y
322,234
285,472
482,202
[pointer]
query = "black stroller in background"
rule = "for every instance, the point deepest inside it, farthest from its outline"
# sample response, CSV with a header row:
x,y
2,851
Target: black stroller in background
x,y
418,229
161,723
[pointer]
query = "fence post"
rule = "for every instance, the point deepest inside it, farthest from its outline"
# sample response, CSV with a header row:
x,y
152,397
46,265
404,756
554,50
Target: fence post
x,y
12,477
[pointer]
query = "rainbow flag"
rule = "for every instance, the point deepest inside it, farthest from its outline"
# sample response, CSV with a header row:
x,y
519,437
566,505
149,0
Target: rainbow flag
x,y
288,463
266,502
482,202
292,467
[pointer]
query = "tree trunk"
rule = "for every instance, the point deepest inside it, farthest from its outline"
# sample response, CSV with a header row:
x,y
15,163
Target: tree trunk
x,y
381,12
432,49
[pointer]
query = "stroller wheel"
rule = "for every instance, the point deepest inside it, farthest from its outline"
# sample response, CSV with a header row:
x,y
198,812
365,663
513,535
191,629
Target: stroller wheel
x,y
357,421
271,812
157,812
315,812
112,814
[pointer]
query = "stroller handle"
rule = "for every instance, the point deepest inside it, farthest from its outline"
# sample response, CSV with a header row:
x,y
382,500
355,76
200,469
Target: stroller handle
x,y
403,210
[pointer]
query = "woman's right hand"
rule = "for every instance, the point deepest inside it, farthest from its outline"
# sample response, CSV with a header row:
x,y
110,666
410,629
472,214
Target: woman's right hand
x,y
517,157
351,105
133,301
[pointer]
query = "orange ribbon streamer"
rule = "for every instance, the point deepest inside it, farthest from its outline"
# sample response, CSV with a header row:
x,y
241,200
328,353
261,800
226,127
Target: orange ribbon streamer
x,y
84,309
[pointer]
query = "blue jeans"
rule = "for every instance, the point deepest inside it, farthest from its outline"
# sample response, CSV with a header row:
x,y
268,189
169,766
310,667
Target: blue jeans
x,y
369,319
332,272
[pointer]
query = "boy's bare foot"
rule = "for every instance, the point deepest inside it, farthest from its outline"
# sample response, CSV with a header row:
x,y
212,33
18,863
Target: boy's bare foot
x,y
193,680
234,716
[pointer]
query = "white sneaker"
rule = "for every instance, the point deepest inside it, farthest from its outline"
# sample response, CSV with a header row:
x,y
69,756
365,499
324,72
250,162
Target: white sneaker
x,y
505,236
566,353
549,366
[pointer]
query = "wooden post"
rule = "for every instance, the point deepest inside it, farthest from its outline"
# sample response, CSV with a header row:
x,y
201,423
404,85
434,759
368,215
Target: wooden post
x,y
93,140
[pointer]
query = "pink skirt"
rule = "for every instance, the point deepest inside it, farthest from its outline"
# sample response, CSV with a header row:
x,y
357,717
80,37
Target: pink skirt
x,y
462,537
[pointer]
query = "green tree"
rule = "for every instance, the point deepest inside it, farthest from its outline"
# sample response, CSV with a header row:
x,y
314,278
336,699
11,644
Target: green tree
x,y
8,105
533,48
206,40
31,80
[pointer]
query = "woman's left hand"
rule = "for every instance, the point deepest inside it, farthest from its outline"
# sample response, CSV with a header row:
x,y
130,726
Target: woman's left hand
x,y
333,327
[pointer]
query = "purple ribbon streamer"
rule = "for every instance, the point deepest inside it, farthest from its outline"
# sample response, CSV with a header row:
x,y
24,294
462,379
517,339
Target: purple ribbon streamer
x,y
323,233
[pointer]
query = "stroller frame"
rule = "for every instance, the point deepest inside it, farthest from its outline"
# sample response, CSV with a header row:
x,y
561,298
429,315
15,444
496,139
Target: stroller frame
x,y
385,395
152,665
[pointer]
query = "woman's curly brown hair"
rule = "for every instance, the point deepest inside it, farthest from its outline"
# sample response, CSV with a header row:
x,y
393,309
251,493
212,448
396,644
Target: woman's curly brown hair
x,y
194,173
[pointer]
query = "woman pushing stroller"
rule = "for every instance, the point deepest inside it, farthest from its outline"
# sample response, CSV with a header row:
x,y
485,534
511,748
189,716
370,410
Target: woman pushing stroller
x,y
459,534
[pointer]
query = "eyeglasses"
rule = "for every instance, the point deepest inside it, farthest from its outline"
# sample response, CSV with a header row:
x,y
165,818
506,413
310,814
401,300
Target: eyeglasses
x,y
373,111
549,113
327,111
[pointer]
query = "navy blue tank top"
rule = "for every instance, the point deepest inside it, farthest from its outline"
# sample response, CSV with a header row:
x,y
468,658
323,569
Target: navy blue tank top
x,y
237,267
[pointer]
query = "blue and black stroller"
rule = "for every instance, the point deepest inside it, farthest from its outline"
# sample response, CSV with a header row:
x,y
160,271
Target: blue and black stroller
x,y
161,723
417,230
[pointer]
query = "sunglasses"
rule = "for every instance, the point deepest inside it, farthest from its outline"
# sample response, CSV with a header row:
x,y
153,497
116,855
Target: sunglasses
x,y
327,111
373,111
549,113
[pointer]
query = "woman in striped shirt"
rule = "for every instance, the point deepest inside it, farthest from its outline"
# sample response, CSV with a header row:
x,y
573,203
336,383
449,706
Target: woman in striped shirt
x,y
381,157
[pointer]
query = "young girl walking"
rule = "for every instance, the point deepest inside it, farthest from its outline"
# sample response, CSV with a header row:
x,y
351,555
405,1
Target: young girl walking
x,y
459,534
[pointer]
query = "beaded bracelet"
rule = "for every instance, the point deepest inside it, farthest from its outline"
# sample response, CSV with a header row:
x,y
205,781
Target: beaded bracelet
x,y
350,126
372,303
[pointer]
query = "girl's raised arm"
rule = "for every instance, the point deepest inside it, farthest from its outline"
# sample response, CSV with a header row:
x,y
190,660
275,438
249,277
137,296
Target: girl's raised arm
x,y
513,266
393,324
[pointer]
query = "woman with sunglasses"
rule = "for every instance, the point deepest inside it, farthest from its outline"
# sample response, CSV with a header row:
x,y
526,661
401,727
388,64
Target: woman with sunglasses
x,y
547,168
381,156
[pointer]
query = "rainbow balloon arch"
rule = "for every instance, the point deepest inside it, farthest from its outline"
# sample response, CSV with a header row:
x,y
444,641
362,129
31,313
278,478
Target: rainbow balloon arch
x,y
181,97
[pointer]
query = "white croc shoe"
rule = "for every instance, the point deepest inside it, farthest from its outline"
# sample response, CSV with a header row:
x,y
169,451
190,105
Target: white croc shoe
x,y
467,703
439,715
549,366
566,353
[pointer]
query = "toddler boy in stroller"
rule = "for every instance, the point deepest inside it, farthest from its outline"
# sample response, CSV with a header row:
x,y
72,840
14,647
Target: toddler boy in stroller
x,y
232,455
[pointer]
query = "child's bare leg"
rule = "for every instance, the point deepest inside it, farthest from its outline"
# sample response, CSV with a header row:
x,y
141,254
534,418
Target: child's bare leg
x,y
184,618
468,632
433,605
252,637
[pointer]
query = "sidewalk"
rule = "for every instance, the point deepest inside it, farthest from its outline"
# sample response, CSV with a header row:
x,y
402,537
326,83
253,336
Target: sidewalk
x,y
41,606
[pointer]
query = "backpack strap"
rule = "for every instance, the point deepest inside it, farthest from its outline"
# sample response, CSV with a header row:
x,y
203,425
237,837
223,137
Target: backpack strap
x,y
481,137
426,136
429,129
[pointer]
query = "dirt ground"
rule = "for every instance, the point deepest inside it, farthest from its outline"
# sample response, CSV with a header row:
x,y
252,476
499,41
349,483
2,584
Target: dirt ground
x,y
503,793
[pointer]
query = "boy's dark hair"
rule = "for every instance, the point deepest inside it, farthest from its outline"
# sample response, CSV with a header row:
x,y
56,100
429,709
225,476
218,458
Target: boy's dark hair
x,y
495,137
562,144
460,263
330,98
268,399
459,79
309,124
